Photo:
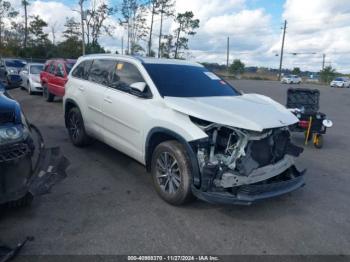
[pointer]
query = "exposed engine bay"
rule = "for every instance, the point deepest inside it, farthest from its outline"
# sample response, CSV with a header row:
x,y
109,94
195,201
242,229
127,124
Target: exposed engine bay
x,y
232,157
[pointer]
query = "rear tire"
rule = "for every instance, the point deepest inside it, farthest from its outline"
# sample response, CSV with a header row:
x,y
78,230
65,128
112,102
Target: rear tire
x,y
47,95
76,128
171,173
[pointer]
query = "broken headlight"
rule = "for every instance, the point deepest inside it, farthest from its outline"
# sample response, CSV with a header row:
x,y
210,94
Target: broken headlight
x,y
11,134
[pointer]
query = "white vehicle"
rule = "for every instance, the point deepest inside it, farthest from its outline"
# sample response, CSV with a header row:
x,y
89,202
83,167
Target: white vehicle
x,y
341,82
30,75
291,79
192,130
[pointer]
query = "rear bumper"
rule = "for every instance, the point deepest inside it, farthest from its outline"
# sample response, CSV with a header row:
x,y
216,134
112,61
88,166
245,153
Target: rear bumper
x,y
250,194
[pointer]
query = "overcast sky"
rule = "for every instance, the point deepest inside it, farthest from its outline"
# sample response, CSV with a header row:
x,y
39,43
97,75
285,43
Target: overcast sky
x,y
254,27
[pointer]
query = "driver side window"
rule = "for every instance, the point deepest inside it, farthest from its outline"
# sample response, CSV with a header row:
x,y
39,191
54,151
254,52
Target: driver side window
x,y
60,70
125,74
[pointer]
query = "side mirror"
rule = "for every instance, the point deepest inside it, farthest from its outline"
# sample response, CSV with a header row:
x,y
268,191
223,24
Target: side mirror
x,y
25,72
139,86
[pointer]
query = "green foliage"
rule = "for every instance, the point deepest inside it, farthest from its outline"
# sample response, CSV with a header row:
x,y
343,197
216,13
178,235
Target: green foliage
x,y
296,71
237,67
327,74
186,26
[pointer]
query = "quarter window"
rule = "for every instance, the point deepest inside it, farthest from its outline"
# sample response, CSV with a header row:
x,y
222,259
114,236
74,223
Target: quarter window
x,y
101,70
82,70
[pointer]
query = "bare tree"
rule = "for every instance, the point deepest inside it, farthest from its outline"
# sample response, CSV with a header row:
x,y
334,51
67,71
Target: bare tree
x,y
166,9
154,8
53,32
25,4
6,11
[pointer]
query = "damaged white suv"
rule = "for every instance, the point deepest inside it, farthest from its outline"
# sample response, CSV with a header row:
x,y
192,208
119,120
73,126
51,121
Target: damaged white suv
x,y
193,131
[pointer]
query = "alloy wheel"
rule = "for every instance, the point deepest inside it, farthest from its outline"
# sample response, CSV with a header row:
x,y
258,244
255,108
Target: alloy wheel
x,y
74,126
168,173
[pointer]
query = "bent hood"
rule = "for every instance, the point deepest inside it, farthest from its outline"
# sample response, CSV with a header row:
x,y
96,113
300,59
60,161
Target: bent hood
x,y
249,111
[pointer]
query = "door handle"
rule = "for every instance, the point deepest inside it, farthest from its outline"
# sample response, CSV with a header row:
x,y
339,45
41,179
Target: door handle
x,y
81,88
108,100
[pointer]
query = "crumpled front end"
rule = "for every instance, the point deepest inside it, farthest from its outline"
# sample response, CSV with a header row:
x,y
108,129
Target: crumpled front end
x,y
29,169
241,167
26,166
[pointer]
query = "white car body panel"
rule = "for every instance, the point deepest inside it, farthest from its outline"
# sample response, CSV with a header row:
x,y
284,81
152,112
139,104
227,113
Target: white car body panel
x,y
249,111
291,80
344,83
30,80
124,121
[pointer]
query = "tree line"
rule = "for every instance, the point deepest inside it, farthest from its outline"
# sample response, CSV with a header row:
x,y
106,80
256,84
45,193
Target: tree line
x,y
142,21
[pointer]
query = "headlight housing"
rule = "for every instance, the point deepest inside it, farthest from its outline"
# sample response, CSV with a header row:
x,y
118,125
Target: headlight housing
x,y
11,71
12,134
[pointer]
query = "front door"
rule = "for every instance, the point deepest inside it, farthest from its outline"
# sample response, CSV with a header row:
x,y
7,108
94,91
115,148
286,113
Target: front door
x,y
124,112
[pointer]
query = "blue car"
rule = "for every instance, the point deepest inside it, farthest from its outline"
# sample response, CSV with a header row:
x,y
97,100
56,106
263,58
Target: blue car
x,y
27,168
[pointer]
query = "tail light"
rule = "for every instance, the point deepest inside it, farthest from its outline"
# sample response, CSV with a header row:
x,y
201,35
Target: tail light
x,y
304,124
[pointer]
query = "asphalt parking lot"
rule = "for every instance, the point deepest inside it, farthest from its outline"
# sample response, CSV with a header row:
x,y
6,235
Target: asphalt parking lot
x,y
107,204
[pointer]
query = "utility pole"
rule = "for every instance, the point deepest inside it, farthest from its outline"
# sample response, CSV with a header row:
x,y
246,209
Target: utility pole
x,y
282,49
122,45
82,25
323,61
228,54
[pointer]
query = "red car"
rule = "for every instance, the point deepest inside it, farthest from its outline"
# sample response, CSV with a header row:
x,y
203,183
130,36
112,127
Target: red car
x,y
54,77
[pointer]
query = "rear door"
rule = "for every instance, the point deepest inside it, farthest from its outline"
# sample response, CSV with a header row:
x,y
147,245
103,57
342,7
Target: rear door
x,y
50,76
59,80
125,111
94,92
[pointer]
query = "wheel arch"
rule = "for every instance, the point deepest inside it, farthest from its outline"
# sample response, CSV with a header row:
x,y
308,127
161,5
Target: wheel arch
x,y
68,105
159,135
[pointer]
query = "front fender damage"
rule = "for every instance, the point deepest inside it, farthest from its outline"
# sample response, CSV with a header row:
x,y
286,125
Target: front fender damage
x,y
241,167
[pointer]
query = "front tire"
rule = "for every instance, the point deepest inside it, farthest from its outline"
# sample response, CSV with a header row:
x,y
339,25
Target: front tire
x,y
76,128
29,86
171,173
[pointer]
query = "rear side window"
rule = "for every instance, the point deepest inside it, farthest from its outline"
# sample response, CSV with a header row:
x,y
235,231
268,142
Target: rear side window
x,y
82,70
101,71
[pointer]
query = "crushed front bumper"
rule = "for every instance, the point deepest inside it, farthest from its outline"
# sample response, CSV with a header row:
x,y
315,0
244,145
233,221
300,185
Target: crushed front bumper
x,y
20,176
285,183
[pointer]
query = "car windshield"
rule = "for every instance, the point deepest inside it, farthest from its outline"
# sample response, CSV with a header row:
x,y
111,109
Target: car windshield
x,y
69,67
339,79
15,63
36,69
188,81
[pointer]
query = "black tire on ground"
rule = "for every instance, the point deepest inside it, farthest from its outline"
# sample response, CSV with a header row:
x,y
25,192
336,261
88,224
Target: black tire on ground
x,y
30,92
47,95
171,173
76,128
22,202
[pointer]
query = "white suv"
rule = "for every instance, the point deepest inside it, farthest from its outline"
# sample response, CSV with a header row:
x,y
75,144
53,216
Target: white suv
x,y
193,131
